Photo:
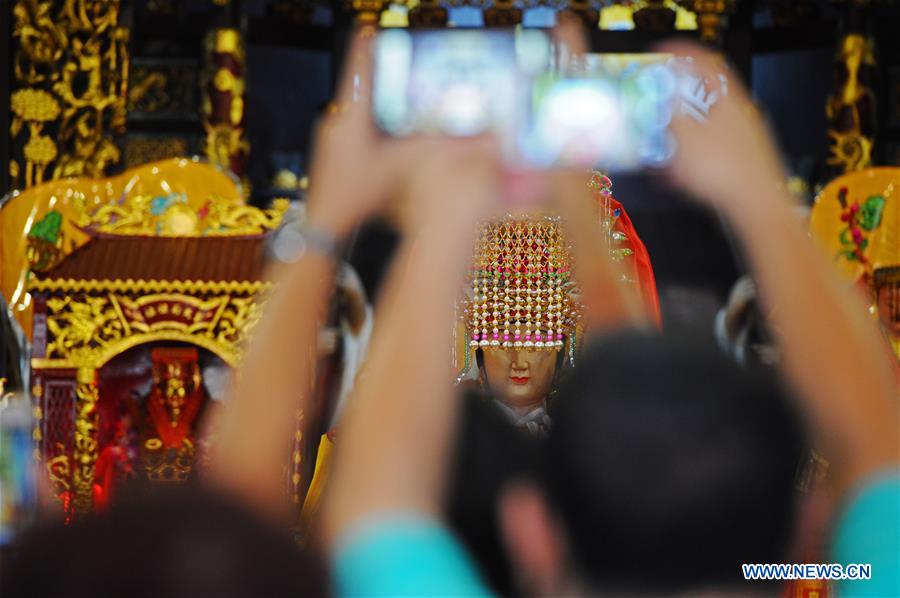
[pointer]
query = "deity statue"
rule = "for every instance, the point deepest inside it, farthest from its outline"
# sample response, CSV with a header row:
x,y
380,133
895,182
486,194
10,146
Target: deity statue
x,y
522,319
155,431
172,410
523,315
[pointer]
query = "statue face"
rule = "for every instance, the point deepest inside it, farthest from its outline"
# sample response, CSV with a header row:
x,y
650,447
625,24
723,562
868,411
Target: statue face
x,y
520,379
889,308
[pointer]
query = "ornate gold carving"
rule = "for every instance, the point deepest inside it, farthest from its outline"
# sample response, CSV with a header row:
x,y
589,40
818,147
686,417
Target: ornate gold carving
x,y
71,68
59,471
85,454
167,466
172,216
851,108
189,287
167,87
146,91
86,330
223,100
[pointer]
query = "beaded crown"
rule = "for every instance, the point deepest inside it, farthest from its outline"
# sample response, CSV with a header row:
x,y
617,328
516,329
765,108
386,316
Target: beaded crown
x,y
521,286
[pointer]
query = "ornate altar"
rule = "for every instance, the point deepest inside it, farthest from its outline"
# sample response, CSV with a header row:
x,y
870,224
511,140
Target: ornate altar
x,y
135,286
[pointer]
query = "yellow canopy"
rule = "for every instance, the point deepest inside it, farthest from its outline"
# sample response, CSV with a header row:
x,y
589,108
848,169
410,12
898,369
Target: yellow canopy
x,y
79,202
871,206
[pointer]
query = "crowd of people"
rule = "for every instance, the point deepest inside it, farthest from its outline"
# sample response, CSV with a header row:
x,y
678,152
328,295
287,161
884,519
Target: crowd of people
x,y
667,466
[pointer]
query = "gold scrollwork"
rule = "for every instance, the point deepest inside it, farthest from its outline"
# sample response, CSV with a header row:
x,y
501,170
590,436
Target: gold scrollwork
x,y
85,454
79,326
86,329
71,68
851,106
59,472
149,286
173,216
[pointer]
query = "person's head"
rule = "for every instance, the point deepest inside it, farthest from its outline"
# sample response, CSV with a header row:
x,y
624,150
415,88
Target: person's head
x,y
519,378
669,467
178,541
490,455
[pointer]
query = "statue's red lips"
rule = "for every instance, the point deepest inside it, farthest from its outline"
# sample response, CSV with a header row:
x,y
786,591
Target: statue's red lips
x,y
519,379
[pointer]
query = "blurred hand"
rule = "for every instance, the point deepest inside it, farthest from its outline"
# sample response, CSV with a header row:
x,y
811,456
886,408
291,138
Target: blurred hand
x,y
355,170
456,183
730,157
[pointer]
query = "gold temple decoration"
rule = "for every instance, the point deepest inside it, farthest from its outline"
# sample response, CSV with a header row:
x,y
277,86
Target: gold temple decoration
x,y
711,15
87,331
851,107
70,71
85,453
102,280
161,467
173,216
88,328
223,90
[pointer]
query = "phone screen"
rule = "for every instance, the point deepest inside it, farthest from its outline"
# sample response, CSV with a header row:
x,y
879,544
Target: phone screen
x,y
608,111
612,113
456,82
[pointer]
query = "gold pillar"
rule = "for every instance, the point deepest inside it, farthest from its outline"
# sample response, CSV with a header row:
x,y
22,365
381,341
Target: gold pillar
x,y
851,109
223,88
85,453
70,78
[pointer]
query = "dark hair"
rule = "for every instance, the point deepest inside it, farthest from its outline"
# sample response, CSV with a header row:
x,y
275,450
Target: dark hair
x,y
489,454
178,541
672,465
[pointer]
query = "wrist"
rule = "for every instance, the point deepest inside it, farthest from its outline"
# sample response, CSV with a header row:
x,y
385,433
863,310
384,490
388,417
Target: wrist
x,y
296,241
328,219
755,203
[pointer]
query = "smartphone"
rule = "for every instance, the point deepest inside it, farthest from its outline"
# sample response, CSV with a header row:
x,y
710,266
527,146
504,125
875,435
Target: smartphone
x,y
608,111
456,82
612,112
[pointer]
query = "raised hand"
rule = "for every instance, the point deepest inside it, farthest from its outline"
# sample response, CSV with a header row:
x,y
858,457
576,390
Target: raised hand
x,y
726,155
355,170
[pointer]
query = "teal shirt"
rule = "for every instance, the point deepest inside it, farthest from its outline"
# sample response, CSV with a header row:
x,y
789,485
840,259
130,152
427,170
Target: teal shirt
x,y
404,555
869,533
